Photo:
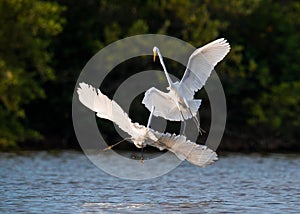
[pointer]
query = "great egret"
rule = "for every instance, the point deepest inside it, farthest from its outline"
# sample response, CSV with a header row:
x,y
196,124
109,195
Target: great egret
x,y
179,103
141,136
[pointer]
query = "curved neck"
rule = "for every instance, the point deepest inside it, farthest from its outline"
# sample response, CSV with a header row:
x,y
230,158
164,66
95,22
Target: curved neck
x,y
164,67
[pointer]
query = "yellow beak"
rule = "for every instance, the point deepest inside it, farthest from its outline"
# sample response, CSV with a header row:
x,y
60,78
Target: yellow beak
x,y
154,55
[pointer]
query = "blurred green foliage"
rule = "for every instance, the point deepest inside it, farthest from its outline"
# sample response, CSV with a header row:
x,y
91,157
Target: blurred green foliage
x,y
27,27
45,44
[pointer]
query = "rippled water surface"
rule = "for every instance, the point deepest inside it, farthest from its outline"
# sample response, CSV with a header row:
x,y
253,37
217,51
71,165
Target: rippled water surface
x,y
67,182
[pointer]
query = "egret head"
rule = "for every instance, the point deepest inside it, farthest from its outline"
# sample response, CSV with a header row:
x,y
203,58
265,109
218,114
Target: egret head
x,y
154,53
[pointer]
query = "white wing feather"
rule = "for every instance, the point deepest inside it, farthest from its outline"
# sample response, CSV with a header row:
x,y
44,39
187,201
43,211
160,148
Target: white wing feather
x,y
184,149
200,65
164,105
107,109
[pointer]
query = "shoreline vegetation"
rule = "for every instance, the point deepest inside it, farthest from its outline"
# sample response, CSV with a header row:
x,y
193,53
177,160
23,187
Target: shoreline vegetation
x,y
228,144
44,45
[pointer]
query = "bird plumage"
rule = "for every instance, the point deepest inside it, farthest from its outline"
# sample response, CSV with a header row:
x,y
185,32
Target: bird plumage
x,y
140,135
180,98
200,65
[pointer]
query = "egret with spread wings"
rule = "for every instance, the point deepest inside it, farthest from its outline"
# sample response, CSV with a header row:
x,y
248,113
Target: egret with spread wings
x,y
179,103
141,136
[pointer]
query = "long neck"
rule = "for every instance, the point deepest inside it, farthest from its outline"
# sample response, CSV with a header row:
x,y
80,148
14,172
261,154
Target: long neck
x,y
164,67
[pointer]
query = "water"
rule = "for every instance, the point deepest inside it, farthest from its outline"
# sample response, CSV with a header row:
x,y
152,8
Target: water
x,y
67,182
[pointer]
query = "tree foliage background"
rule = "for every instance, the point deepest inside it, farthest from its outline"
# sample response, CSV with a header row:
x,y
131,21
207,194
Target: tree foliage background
x,y
45,44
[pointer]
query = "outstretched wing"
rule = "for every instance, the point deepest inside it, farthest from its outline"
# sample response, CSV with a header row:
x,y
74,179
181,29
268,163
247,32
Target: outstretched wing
x,y
107,109
163,103
200,65
184,149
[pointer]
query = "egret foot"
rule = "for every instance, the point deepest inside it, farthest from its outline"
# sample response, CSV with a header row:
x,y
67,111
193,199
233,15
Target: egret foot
x,y
111,146
107,148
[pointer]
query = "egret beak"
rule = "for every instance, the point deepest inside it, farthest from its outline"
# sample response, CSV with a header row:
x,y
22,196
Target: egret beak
x,y
154,56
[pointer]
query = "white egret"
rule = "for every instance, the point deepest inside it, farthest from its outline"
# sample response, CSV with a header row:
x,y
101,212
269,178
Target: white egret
x,y
141,136
179,103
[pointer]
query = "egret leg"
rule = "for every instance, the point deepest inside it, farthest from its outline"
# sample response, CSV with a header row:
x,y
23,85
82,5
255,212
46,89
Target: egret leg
x,y
182,117
148,125
184,123
142,156
198,125
110,147
150,117
196,121
184,126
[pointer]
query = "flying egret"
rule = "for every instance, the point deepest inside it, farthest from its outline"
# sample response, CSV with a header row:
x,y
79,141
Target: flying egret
x,y
141,136
179,103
